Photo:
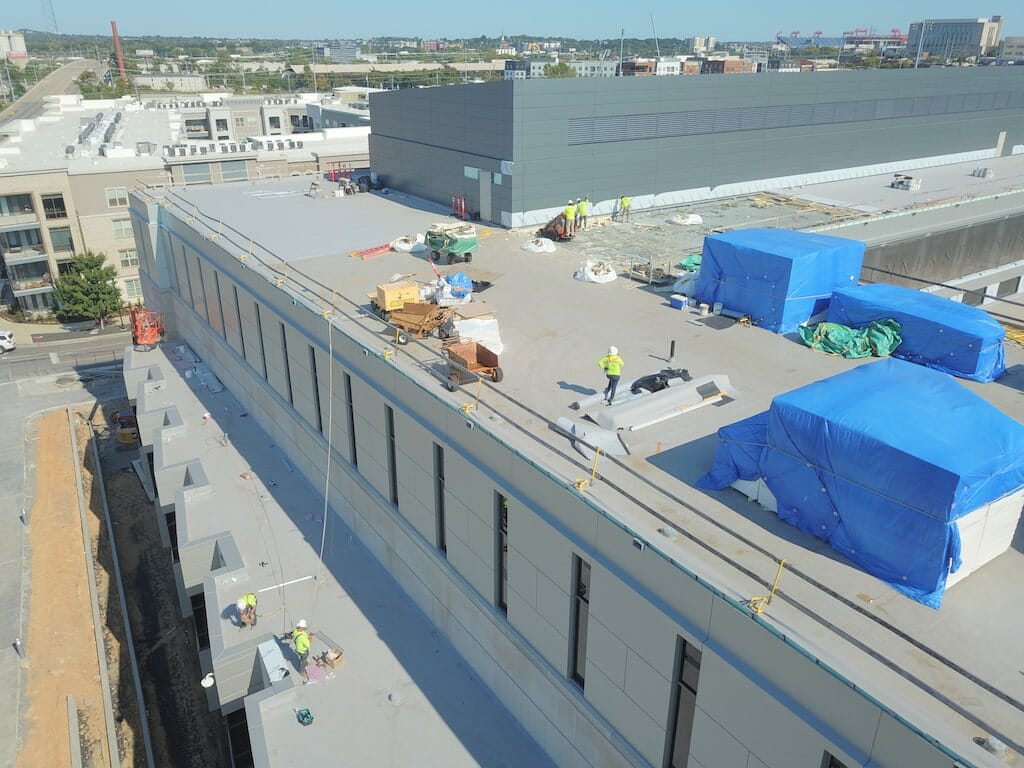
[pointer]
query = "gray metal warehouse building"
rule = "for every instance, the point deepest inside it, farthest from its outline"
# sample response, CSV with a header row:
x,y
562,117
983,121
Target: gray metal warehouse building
x,y
518,149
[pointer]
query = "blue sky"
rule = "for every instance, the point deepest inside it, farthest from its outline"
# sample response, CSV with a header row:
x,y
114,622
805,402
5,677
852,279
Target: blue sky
x,y
727,20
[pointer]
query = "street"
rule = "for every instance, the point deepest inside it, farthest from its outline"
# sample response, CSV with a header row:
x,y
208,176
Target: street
x,y
77,352
32,103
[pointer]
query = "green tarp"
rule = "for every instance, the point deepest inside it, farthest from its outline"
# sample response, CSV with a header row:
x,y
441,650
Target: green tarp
x,y
878,338
691,263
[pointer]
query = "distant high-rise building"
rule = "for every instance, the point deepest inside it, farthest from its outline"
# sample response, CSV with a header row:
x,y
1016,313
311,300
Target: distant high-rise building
x,y
952,39
699,44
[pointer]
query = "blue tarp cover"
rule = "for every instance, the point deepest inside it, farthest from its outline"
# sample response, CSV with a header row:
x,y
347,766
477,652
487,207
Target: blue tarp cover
x,y
778,277
938,332
880,461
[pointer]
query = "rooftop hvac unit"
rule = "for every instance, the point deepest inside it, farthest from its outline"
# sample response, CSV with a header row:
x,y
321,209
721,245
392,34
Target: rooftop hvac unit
x,y
234,147
298,144
203,150
291,144
193,149
223,147
280,144
181,151
166,151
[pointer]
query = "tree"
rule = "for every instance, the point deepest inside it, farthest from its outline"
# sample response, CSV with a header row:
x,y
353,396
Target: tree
x,y
561,69
87,290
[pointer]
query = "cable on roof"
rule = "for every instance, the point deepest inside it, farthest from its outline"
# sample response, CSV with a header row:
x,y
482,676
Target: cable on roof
x,y
330,446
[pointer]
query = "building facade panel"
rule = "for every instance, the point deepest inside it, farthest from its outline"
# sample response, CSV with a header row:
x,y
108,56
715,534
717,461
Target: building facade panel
x,y
569,135
620,716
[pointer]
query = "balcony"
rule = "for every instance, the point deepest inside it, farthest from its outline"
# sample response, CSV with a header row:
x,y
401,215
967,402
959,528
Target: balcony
x,y
22,220
29,286
24,255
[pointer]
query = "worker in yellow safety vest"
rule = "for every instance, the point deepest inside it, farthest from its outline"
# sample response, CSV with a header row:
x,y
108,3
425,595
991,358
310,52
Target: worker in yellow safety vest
x,y
624,203
582,211
612,366
570,218
247,610
301,639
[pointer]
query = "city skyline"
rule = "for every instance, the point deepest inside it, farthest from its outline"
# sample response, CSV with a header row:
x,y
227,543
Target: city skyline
x,y
597,20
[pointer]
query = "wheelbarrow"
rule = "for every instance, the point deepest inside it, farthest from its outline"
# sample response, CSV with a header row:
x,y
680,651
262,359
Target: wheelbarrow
x,y
469,359
418,320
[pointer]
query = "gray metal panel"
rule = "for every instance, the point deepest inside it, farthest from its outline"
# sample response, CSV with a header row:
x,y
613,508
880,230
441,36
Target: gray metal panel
x,y
606,136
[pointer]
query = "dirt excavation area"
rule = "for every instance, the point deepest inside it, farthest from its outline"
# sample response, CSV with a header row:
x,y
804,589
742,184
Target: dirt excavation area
x,y
62,653
63,656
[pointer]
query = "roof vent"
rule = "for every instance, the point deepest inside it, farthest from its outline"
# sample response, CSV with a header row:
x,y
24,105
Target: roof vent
x,y
69,150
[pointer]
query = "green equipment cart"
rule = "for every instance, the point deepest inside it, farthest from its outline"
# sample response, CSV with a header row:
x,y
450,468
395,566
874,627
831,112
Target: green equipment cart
x,y
452,242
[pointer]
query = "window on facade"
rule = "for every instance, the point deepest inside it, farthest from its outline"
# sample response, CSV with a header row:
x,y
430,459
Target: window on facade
x,y
389,423
202,627
222,124
470,172
828,760
129,258
117,197
501,555
259,335
241,327
441,535
15,205
53,206
123,229
580,620
316,391
350,412
684,704
172,533
133,288
234,170
60,239
196,173
275,122
287,365
239,122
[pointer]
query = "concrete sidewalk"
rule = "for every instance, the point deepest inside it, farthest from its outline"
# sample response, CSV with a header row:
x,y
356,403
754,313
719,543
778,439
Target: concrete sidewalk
x,y
27,334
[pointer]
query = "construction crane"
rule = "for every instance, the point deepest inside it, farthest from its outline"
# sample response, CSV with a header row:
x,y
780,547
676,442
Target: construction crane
x,y
795,33
898,34
51,17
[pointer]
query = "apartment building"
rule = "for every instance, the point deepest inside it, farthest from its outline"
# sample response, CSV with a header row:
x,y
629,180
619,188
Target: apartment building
x,y
954,39
65,177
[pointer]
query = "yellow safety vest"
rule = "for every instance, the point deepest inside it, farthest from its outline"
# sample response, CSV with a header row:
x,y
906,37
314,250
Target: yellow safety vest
x,y
584,207
570,212
612,364
624,202
301,639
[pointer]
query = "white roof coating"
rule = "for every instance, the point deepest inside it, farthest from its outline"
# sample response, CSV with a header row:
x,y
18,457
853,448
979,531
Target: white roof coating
x,y
402,695
41,144
953,672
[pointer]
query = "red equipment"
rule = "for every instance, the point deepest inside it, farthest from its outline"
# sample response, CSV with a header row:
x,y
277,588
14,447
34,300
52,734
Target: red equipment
x,y
147,328
459,206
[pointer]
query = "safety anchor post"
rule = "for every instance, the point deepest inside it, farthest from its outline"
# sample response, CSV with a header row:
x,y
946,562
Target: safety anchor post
x,y
759,604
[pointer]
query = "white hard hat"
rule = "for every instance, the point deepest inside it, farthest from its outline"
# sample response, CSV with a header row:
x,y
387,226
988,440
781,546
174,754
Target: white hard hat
x,y
570,202
240,605
301,624
613,350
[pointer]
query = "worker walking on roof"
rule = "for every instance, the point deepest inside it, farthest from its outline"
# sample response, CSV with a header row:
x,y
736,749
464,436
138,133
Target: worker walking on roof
x,y
624,204
247,609
301,639
570,218
612,366
582,211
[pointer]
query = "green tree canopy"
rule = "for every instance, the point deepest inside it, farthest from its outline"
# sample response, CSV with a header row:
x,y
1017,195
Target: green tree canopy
x,y
87,289
561,69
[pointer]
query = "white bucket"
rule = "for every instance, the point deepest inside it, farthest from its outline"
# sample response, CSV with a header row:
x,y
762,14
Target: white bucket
x,y
705,310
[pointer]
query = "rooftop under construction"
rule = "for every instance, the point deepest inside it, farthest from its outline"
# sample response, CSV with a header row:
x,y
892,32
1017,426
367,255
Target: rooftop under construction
x,y
948,674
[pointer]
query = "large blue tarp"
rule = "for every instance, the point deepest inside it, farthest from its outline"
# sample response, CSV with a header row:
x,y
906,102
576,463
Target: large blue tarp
x,y
880,462
777,276
938,332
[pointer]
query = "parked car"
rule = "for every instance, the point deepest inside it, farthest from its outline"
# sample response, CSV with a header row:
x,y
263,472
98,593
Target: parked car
x,y
7,342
